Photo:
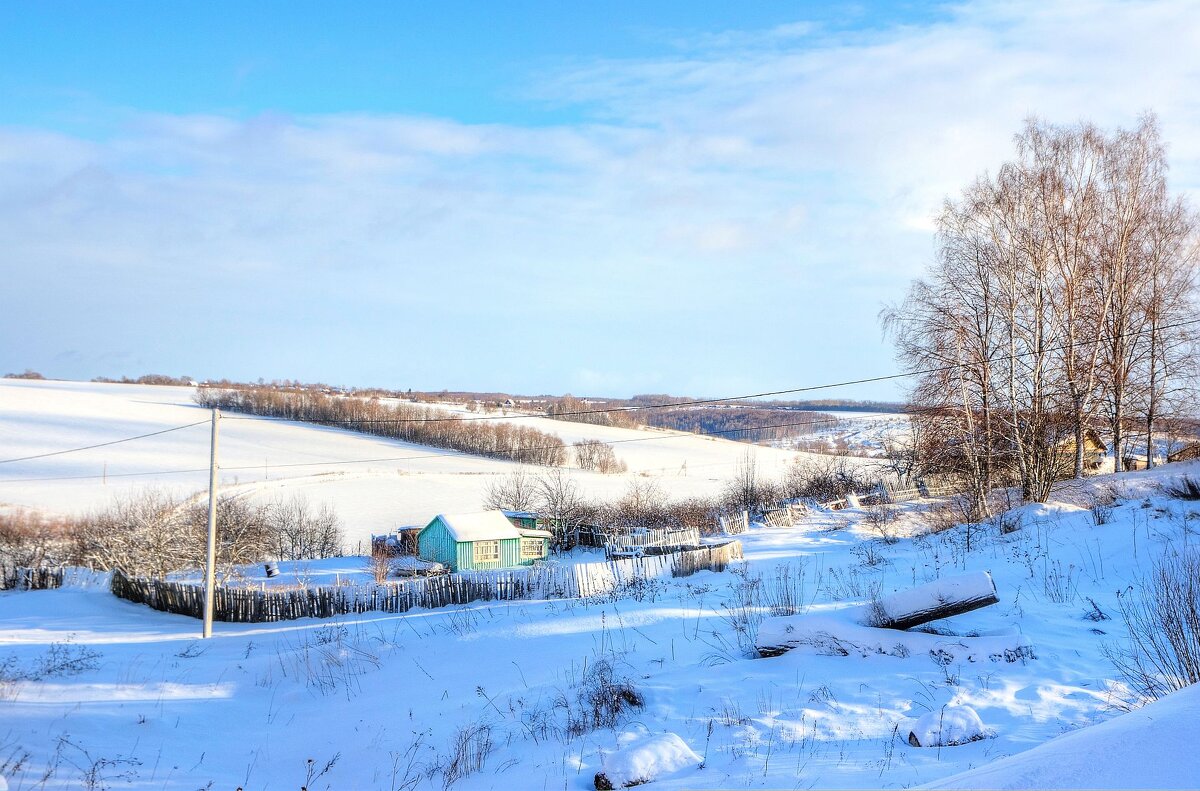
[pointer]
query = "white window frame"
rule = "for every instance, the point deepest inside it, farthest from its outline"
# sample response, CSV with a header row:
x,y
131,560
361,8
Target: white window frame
x,y
538,544
485,552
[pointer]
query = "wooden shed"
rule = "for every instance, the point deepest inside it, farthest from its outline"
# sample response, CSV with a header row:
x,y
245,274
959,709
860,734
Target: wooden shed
x,y
1189,452
480,541
1094,452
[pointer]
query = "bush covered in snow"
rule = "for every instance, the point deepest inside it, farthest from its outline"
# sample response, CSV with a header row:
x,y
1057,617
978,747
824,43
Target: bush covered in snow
x,y
643,760
947,727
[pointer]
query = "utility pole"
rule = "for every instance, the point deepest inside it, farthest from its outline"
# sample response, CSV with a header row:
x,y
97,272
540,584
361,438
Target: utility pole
x,y
210,562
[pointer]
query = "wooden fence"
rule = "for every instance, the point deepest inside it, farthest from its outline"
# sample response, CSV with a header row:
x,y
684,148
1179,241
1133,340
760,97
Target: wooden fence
x,y
734,524
616,544
31,579
922,490
253,605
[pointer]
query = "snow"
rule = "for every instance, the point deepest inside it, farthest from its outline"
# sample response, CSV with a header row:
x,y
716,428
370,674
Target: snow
x,y
1033,514
252,705
837,632
948,726
92,685
480,526
1153,747
642,759
922,598
375,484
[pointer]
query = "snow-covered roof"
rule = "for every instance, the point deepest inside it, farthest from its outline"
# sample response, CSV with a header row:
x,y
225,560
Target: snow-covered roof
x,y
479,526
531,533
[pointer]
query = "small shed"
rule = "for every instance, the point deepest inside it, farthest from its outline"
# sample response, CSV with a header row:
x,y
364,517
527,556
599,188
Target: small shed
x,y
1189,452
1133,462
524,520
481,541
1094,450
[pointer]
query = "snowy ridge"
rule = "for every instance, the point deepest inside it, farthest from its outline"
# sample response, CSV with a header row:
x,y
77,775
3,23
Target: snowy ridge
x,y
1153,747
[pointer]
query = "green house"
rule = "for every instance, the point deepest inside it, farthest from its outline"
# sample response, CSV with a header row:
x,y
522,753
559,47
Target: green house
x,y
481,541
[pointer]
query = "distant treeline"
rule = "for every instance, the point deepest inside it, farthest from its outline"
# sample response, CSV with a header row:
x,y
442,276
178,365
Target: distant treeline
x,y
410,422
150,379
747,424
737,420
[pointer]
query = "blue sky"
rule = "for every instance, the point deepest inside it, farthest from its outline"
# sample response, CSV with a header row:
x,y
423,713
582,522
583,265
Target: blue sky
x,y
471,61
607,198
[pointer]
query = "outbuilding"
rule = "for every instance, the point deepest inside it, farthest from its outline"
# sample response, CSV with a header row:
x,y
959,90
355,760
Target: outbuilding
x,y
481,541
1189,452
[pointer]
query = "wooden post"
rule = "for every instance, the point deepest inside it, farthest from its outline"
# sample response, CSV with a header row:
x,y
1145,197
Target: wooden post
x,y
210,561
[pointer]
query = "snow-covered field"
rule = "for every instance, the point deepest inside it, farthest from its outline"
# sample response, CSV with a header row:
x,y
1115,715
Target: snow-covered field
x,y
859,433
493,695
404,484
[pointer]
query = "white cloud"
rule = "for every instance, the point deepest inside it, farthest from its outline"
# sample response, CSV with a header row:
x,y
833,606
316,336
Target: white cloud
x,y
728,202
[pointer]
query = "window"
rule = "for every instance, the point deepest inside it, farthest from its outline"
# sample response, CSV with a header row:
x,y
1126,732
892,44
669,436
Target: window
x,y
486,551
532,548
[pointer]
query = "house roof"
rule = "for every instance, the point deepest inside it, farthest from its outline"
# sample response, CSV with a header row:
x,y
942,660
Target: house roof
x,y
1186,453
485,526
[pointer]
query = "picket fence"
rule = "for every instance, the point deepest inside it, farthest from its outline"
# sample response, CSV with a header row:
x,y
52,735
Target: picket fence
x,y
734,524
651,538
254,605
31,579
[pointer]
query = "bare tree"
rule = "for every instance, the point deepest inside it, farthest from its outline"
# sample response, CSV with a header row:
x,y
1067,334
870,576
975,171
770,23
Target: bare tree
x,y
300,532
560,502
1057,295
516,491
592,454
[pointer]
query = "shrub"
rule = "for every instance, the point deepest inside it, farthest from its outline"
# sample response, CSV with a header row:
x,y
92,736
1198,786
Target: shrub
x,y
1163,653
601,699
1101,502
469,750
1185,488
152,533
32,540
881,518
823,481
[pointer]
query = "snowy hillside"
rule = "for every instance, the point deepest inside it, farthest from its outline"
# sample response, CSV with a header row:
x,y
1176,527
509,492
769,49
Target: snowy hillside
x,y
404,484
548,693
856,432
1147,748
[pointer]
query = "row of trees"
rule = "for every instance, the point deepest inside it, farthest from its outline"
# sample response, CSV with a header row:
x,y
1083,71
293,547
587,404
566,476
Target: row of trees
x,y
416,423
152,533
1060,302
763,422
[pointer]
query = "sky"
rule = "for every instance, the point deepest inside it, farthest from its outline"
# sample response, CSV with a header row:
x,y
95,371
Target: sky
x,y
612,198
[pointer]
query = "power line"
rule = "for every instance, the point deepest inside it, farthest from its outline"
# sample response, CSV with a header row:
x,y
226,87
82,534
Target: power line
x,y
102,444
809,388
746,397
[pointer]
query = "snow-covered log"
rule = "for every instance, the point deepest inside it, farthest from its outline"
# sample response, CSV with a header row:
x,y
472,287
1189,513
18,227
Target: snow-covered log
x,y
903,610
934,600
